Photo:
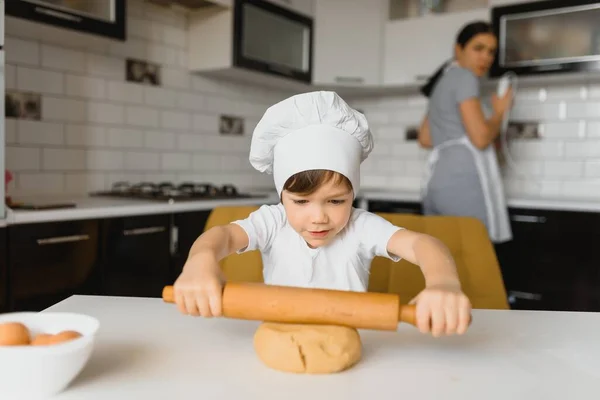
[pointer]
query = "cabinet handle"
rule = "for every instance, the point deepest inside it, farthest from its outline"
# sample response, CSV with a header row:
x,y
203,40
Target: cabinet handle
x,y
62,239
174,239
514,295
348,79
144,231
528,218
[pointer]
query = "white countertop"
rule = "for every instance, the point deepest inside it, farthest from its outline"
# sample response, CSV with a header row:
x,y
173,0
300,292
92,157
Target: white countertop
x,y
146,349
106,207
543,203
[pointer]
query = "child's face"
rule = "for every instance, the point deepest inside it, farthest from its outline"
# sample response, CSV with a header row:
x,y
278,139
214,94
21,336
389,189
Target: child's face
x,y
320,216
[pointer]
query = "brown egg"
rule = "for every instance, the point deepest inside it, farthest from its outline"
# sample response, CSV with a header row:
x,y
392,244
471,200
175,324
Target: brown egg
x,y
64,336
14,334
43,339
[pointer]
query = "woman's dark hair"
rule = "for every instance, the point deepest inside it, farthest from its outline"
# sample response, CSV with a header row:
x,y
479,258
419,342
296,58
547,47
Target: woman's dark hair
x,y
464,36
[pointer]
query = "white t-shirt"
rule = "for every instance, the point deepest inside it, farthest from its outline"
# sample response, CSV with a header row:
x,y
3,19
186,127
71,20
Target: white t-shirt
x,y
344,264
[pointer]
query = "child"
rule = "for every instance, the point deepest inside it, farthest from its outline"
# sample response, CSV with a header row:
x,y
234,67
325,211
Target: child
x,y
314,143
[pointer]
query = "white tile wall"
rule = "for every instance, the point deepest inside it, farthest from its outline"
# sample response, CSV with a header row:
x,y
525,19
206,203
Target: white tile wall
x,y
563,162
97,129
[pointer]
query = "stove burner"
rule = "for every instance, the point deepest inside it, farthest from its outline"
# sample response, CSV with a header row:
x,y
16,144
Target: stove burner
x,y
167,191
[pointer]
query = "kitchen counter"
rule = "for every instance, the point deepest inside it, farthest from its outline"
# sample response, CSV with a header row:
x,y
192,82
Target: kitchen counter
x,y
107,207
146,349
542,203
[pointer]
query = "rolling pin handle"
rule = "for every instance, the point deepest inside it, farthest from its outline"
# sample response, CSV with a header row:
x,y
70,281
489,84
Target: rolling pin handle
x,y
168,294
408,314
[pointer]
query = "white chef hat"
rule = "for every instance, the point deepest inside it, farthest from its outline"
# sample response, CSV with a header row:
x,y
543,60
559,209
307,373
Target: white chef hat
x,y
315,130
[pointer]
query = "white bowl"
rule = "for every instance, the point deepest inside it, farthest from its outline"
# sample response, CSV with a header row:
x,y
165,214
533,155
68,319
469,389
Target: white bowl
x,y
41,371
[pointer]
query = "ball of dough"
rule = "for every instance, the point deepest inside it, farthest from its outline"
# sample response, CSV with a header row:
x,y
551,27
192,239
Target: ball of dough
x,y
311,349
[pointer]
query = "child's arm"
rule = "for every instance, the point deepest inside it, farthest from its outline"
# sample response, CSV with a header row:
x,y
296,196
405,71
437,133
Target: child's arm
x,y
441,307
198,288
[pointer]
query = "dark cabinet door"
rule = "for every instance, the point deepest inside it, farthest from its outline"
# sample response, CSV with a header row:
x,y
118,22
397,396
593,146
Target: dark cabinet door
x,y
136,255
186,229
3,271
397,207
547,265
49,262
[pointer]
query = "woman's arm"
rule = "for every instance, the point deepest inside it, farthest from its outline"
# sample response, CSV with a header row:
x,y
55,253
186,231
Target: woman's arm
x,y
424,136
483,132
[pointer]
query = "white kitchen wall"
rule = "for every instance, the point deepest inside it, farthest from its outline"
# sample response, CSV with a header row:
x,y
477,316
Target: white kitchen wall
x,y
96,128
563,162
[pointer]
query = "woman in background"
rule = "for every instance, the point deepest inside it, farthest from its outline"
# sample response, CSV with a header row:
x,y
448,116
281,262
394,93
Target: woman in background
x,y
462,173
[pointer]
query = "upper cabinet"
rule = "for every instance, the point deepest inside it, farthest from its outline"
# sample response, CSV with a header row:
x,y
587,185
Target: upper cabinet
x,y
349,41
255,40
103,17
414,48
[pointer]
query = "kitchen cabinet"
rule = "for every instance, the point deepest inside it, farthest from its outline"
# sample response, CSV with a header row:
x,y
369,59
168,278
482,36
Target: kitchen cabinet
x,y
185,230
349,42
415,48
549,264
49,262
135,255
3,272
104,18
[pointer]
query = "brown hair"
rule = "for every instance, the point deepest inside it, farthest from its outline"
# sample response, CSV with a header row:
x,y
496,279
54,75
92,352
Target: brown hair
x,y
308,182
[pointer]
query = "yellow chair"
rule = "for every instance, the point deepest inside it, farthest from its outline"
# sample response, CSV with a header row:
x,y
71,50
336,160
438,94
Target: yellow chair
x,y
467,239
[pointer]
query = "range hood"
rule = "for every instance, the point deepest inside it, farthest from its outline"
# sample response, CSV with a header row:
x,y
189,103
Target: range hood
x,y
193,4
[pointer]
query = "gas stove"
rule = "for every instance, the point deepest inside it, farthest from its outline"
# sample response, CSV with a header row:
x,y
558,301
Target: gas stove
x,y
168,191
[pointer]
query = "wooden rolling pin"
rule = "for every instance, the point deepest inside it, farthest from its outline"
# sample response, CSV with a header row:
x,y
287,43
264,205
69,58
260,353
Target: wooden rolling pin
x,y
261,302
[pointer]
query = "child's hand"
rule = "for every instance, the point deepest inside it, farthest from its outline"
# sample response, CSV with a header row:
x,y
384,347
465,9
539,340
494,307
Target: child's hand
x,y
198,289
442,309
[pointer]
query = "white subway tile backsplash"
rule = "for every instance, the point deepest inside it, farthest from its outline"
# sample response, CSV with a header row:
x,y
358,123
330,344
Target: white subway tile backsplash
x,y
175,78
40,81
159,140
536,150
175,120
23,158
190,101
10,130
584,110
563,169
142,116
104,160
78,183
583,149
106,113
63,159
190,142
593,129
23,52
97,128
62,109
205,123
41,133
592,169
105,66
41,182
118,137
63,59
142,161
85,135
160,97
563,130
82,86
125,92
176,161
